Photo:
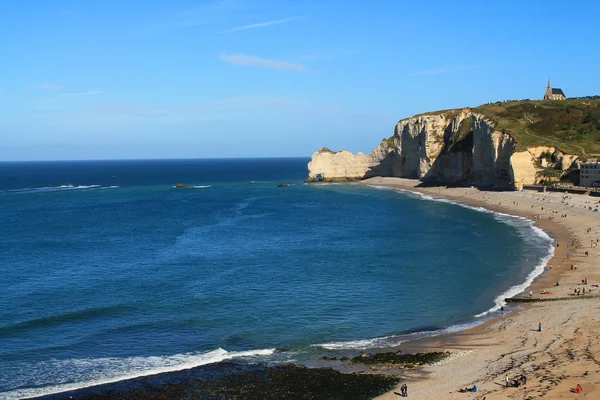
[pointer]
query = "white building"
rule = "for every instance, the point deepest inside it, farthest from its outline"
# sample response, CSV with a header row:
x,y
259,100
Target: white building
x,y
589,174
554,93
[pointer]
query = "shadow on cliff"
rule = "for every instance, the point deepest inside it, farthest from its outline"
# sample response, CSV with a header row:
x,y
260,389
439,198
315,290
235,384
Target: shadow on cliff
x,y
453,167
384,168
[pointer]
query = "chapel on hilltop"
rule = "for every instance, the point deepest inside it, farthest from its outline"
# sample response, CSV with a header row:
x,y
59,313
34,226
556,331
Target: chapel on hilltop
x,y
554,94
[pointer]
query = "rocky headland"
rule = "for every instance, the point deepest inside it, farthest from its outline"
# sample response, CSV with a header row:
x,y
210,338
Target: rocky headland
x,y
507,144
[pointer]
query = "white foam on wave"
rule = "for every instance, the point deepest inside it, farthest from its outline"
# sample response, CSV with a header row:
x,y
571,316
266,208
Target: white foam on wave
x,y
356,344
516,289
71,187
101,371
394,340
200,186
56,188
509,220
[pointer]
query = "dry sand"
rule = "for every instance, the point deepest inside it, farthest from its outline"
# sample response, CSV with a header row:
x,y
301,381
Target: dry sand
x,y
566,352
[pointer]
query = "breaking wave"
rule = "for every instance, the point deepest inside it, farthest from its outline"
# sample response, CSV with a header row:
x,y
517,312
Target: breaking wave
x,y
85,372
60,188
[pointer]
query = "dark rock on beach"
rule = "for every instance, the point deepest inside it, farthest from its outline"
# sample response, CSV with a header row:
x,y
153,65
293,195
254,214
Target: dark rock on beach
x,y
405,360
237,381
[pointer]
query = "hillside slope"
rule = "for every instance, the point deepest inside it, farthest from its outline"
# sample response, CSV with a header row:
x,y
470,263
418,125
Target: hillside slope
x,y
571,125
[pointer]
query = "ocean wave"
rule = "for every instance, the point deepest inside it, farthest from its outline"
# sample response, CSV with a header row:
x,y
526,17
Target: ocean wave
x,y
85,372
508,219
200,186
362,344
59,319
395,340
56,188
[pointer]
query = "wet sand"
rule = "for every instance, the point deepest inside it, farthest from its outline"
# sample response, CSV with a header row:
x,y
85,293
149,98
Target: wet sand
x,y
566,352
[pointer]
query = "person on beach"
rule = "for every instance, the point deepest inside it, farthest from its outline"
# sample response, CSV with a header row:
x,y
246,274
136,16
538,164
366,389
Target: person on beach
x,y
506,380
578,389
539,327
404,390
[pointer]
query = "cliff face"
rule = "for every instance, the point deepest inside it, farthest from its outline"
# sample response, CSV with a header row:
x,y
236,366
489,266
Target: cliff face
x,y
449,147
332,166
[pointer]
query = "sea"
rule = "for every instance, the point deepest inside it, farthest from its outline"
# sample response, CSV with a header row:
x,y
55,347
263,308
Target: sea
x,y
108,271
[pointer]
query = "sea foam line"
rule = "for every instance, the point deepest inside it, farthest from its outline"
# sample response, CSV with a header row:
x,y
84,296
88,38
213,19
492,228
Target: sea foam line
x,y
122,369
504,218
394,340
57,188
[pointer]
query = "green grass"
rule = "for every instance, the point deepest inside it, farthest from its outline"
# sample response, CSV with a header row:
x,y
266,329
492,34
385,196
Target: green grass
x,y
572,126
389,142
326,150
569,125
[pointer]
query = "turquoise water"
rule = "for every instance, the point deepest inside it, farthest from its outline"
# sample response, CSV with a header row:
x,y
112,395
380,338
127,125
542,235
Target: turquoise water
x,y
108,271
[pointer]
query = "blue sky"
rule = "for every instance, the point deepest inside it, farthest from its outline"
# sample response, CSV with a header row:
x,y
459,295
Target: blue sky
x,y
233,78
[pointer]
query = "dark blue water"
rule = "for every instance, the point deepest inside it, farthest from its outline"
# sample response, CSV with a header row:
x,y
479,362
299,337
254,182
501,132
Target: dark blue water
x,y
107,271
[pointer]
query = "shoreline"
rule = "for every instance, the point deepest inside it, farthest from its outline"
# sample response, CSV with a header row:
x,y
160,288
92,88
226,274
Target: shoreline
x,y
468,343
482,207
492,338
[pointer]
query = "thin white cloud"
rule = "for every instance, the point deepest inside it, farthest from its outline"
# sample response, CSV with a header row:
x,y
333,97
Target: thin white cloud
x,y
46,85
262,24
446,70
252,61
88,93
206,13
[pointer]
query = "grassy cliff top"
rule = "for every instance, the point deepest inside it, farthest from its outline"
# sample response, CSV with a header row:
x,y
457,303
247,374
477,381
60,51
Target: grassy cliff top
x,y
573,126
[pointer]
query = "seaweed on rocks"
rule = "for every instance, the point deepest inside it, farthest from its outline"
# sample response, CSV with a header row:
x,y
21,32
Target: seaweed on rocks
x,y
404,360
237,381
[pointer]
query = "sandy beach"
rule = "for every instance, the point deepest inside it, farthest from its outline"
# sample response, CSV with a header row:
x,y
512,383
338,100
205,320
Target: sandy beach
x,y
567,350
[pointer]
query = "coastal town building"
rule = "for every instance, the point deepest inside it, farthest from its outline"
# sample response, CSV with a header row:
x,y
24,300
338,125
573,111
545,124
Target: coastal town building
x,y
589,174
554,94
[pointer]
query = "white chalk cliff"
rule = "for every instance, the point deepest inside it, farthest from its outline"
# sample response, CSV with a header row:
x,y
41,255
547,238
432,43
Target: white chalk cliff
x,y
457,146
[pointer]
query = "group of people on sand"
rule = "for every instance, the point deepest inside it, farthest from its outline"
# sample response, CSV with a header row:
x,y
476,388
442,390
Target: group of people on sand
x,y
467,389
518,381
403,390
